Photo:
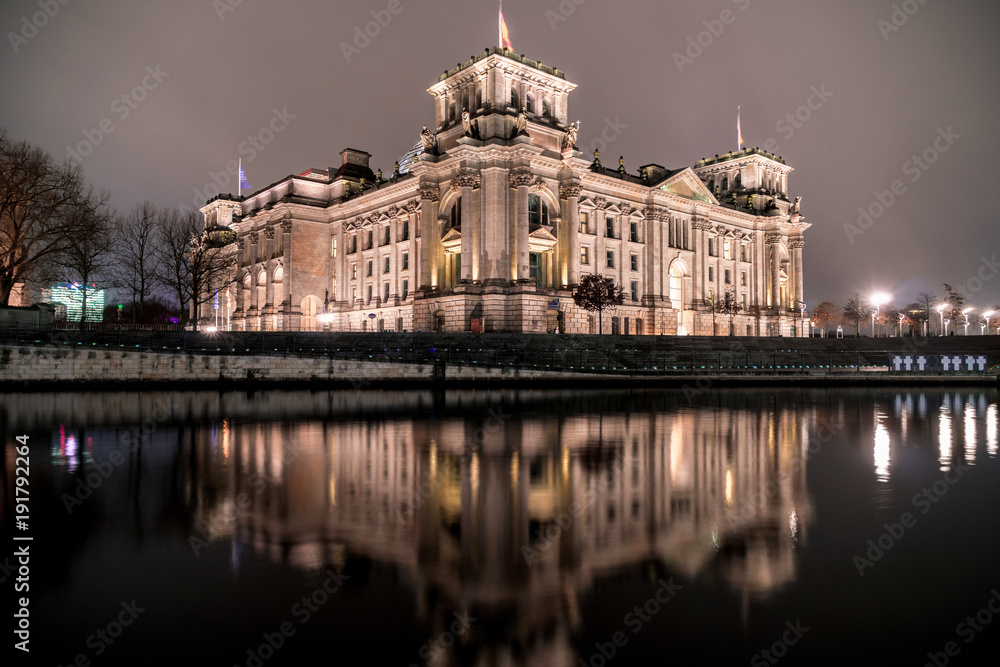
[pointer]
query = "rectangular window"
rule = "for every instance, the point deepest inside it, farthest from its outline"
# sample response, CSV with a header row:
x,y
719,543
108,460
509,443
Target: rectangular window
x,y
743,253
354,270
743,278
727,277
385,266
584,223
609,227
743,302
711,274
406,261
406,290
354,295
635,290
369,294
585,255
369,268
727,249
385,292
611,259
354,244
333,251
711,296
633,232
406,231
387,235
634,261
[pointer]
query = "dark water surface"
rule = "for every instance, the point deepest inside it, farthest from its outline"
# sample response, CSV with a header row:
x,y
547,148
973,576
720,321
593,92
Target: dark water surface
x,y
496,528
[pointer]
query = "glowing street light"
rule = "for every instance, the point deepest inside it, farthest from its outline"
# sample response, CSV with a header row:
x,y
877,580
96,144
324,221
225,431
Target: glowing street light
x,y
878,299
986,315
940,310
966,314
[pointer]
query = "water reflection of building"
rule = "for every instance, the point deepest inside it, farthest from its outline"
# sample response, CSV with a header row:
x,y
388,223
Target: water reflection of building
x,y
514,518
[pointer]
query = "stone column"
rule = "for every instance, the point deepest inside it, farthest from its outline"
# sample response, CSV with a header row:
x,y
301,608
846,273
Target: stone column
x,y
416,251
796,246
520,179
430,239
287,307
254,270
467,180
496,228
774,270
570,239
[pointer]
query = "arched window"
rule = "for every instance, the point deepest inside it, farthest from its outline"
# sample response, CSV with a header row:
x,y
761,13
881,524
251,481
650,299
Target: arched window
x,y
538,212
725,184
676,287
738,184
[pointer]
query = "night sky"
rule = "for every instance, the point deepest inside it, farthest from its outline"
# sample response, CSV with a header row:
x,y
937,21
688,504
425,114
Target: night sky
x,y
209,74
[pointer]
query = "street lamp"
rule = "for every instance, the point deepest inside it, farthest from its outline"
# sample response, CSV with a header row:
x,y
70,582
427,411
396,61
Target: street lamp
x,y
802,316
940,310
966,314
901,316
878,300
986,315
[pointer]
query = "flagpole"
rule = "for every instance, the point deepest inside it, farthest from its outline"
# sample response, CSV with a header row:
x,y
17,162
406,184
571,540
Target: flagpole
x,y
739,131
239,180
499,29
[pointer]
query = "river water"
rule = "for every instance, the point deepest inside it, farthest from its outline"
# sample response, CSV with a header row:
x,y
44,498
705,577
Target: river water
x,y
494,528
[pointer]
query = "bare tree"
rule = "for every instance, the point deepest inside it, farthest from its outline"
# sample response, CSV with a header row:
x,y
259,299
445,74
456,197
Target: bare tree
x,y
855,310
38,210
727,305
597,293
136,255
193,262
90,255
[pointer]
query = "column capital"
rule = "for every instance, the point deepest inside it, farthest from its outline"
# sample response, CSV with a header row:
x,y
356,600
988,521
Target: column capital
x,y
521,177
430,192
570,190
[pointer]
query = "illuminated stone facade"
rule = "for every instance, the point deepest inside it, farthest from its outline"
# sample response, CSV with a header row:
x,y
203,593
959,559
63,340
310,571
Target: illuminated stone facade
x,y
489,223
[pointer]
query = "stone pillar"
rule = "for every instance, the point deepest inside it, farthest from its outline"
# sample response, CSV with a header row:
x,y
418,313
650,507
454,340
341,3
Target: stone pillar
x,y
241,307
430,239
774,270
520,179
416,250
254,270
796,246
570,239
467,180
287,304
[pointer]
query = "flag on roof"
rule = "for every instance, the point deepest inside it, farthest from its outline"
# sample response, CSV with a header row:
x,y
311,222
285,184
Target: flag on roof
x,y
504,33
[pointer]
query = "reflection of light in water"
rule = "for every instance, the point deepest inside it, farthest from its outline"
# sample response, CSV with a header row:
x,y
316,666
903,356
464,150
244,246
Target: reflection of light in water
x,y
944,438
213,440
881,450
225,438
474,472
793,525
565,463
234,555
333,471
991,429
71,453
715,537
433,459
515,466
970,434
729,486
680,473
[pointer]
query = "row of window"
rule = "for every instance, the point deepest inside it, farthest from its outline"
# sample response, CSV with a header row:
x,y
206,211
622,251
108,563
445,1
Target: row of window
x,y
677,230
404,261
727,249
385,238
727,277
609,260
370,289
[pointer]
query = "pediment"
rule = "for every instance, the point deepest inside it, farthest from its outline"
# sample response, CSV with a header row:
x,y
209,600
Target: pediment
x,y
452,241
686,184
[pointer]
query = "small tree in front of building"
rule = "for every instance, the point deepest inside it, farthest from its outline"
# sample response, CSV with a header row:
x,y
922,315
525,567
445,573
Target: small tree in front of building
x,y
855,311
595,293
824,315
